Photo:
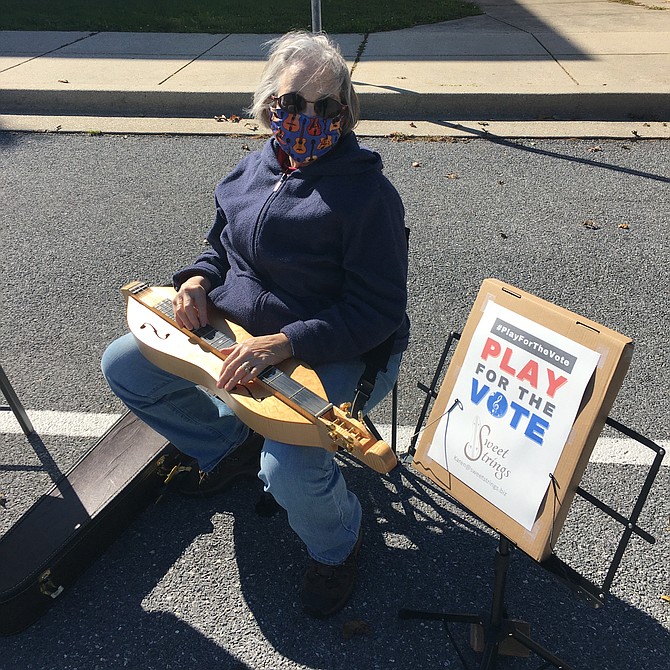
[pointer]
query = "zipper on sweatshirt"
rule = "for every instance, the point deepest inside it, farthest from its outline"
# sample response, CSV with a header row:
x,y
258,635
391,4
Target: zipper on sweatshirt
x,y
266,205
281,182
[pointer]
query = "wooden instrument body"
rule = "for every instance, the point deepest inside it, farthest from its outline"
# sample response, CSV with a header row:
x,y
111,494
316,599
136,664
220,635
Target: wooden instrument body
x,y
181,352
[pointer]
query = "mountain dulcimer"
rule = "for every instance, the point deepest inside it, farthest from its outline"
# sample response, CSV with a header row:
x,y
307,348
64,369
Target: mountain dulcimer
x,y
284,402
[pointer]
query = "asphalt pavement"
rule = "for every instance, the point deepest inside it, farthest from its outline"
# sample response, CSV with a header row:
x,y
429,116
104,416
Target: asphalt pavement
x,y
213,585
522,60
209,584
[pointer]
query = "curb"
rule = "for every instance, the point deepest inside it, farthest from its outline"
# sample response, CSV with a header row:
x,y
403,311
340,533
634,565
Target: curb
x,y
615,106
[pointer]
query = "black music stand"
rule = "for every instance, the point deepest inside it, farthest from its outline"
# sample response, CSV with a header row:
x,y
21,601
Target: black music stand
x,y
14,404
497,628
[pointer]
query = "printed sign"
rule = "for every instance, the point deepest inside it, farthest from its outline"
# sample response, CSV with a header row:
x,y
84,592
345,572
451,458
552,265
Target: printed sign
x,y
511,410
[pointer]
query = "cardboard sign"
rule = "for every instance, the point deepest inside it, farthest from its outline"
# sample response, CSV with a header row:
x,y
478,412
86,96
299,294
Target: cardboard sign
x,y
520,409
515,400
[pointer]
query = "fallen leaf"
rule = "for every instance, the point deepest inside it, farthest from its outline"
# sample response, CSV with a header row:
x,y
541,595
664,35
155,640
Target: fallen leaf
x,y
647,125
482,123
590,224
452,175
416,164
251,126
501,182
412,124
245,147
504,235
594,149
635,133
623,226
220,118
63,81
234,118
355,627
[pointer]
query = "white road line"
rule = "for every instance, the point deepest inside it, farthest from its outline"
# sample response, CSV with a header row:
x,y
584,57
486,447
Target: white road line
x,y
68,424
82,424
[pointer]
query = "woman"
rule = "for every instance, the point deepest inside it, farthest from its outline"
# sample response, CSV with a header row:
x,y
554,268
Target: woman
x,y
307,253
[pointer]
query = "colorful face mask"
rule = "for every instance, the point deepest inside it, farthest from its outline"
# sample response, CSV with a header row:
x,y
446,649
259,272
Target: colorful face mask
x,y
304,138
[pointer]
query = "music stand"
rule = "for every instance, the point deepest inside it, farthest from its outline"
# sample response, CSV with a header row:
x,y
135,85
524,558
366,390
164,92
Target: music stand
x,y
496,627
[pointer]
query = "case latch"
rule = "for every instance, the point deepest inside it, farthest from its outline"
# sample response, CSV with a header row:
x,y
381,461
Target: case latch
x,y
47,586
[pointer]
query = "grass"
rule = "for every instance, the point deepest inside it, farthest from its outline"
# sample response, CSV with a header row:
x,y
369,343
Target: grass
x,y
224,16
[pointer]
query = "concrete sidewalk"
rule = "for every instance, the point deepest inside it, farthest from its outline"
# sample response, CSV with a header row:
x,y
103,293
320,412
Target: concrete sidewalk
x,y
523,60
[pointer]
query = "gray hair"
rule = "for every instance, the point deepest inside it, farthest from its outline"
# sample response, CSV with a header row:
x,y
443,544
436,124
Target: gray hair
x,y
317,52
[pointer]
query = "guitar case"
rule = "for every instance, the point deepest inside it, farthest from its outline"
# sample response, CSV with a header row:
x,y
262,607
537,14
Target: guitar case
x,y
42,555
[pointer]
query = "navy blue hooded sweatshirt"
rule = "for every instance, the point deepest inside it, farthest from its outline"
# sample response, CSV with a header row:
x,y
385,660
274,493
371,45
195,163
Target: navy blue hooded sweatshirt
x,y
318,253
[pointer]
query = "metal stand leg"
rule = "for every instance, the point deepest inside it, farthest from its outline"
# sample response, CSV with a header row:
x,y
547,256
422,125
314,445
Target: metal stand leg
x,y
14,404
496,628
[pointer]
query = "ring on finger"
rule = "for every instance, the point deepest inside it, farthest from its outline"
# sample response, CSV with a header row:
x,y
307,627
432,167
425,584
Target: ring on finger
x,y
247,367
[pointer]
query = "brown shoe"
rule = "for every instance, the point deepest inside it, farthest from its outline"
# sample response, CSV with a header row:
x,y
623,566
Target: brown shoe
x,y
327,588
243,461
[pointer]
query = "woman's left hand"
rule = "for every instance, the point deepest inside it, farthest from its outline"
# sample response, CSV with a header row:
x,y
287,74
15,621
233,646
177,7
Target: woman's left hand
x,y
248,359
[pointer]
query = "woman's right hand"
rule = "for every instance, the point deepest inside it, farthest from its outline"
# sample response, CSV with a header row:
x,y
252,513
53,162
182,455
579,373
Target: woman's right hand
x,y
190,303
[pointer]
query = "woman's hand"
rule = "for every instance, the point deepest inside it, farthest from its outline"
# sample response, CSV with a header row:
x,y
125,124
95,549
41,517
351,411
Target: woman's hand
x,y
248,359
190,303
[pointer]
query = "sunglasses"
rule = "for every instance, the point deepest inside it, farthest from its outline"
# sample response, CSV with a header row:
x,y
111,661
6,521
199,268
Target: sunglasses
x,y
294,103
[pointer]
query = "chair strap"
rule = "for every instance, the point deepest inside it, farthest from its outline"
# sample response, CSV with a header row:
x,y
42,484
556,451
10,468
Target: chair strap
x,y
375,360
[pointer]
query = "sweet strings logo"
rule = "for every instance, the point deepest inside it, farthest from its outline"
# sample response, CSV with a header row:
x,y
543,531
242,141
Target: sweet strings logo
x,y
482,448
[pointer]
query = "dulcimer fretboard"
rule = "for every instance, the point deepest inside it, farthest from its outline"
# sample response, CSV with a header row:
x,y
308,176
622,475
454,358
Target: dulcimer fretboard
x,y
214,340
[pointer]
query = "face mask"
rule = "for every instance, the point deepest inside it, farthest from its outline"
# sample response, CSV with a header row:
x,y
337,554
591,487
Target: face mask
x,y
304,138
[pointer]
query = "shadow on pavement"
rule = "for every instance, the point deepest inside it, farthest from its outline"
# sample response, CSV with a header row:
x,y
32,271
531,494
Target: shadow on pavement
x,y
424,552
180,589
482,134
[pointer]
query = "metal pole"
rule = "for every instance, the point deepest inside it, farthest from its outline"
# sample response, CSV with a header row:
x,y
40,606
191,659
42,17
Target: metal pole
x,y
14,404
316,16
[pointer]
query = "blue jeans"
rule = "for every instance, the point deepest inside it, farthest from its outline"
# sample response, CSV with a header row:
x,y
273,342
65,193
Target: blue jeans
x,y
305,481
